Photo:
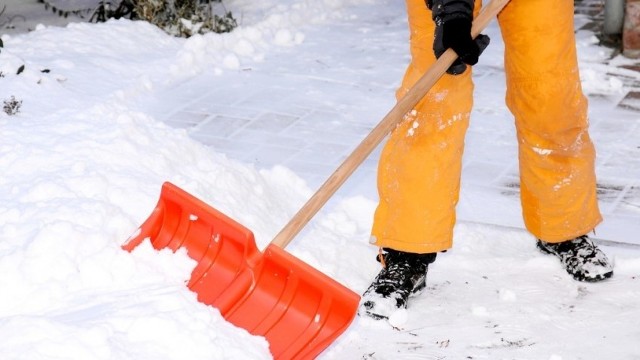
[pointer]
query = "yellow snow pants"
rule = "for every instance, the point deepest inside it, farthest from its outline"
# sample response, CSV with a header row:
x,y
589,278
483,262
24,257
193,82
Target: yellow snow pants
x,y
420,165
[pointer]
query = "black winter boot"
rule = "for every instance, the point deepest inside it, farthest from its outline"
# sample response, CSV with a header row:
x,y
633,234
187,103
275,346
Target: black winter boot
x,y
403,274
581,258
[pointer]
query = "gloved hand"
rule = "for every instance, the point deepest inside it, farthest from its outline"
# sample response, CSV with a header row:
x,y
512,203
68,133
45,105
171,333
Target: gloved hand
x,y
453,30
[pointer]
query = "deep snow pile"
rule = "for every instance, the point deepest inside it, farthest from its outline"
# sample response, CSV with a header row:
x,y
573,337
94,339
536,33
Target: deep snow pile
x,y
81,169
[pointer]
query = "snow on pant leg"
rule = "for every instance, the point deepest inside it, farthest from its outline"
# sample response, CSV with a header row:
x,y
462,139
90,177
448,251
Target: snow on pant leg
x,y
557,177
420,165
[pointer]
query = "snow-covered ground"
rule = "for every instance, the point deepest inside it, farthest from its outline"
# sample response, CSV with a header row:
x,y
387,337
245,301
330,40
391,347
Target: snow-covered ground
x,y
84,158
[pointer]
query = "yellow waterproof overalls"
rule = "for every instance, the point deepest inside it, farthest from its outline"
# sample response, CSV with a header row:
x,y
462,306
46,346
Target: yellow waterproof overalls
x,y
420,166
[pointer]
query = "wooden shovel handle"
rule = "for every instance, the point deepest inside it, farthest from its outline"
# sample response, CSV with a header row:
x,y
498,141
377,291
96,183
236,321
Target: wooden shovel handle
x,y
395,115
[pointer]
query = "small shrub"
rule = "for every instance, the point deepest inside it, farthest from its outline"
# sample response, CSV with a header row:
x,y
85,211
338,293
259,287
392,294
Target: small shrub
x,y
177,17
12,106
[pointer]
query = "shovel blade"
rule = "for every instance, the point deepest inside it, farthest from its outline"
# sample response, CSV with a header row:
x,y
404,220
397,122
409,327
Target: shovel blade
x,y
299,310
222,248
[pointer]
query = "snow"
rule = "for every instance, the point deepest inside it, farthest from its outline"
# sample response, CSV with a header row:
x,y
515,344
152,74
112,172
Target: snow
x,y
83,161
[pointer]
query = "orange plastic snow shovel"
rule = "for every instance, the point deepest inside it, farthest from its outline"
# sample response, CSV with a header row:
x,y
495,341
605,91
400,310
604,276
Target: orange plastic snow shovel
x,y
298,309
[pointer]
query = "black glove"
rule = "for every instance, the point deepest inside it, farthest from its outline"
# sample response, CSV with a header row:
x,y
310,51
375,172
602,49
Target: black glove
x,y
453,30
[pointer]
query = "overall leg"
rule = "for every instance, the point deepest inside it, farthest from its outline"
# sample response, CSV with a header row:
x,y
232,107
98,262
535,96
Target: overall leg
x,y
418,177
420,165
557,177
